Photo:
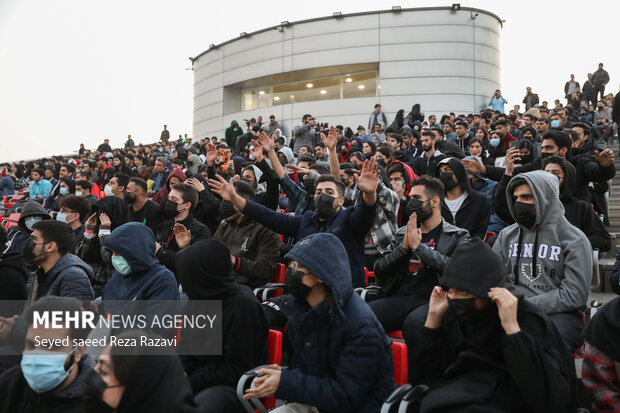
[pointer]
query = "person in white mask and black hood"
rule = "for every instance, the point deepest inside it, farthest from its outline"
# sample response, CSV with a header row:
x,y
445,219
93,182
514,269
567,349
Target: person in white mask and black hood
x,y
484,349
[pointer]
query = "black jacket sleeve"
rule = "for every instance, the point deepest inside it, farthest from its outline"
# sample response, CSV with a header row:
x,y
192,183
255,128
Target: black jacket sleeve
x,y
271,196
500,203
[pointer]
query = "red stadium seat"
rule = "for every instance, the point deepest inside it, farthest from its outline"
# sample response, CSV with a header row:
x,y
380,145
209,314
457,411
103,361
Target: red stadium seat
x,y
399,356
396,334
489,235
11,220
369,274
275,285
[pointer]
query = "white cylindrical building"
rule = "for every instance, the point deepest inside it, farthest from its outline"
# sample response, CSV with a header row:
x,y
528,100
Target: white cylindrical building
x,y
338,67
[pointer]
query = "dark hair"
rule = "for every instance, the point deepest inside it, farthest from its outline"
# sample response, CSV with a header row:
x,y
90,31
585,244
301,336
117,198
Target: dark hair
x,y
76,203
340,188
502,122
386,151
129,156
84,184
40,171
432,186
58,232
398,137
70,183
476,140
70,168
359,155
244,189
561,139
529,115
188,193
306,158
378,105
320,144
122,179
308,148
545,120
583,126
64,306
372,145
461,123
530,129
178,161
321,169
140,183
574,135
429,133
554,159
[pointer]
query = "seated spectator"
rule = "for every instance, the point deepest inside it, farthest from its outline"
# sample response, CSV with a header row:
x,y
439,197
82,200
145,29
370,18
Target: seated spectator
x,y
205,272
141,209
176,176
577,212
416,258
49,379
83,188
601,360
74,211
58,273
547,259
117,185
159,176
178,228
341,356
138,379
426,164
350,225
483,349
254,248
40,188
138,275
7,185
462,206
67,172
32,213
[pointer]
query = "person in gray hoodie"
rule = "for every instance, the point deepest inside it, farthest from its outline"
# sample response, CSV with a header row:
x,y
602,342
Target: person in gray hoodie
x,y
548,260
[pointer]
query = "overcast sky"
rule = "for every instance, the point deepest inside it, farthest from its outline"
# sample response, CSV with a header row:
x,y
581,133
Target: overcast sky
x,y
74,71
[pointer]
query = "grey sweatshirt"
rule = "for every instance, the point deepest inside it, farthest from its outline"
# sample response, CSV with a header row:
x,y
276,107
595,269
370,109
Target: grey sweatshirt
x,y
563,262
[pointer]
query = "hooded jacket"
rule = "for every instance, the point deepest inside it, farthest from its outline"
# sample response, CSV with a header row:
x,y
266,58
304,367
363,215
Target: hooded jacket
x,y
16,396
205,273
474,213
304,135
562,262
349,225
231,134
12,284
342,358
255,247
148,279
163,193
18,235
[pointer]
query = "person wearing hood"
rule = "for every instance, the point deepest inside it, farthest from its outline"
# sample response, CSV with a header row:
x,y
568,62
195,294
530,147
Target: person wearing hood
x,y
350,225
415,117
547,259
176,176
205,272
48,379
401,176
178,228
232,133
138,379
342,361
32,213
462,206
59,273
399,121
577,212
484,349
193,161
601,359
138,275
255,249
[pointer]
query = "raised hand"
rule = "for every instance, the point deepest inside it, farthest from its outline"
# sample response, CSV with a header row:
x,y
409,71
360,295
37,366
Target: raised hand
x,y
297,169
91,223
182,235
513,156
211,154
368,179
605,158
414,233
224,189
330,140
105,221
257,150
437,307
474,166
265,141
507,305
196,184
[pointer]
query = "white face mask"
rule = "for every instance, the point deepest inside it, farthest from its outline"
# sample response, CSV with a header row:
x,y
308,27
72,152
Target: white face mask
x,y
62,217
78,193
108,191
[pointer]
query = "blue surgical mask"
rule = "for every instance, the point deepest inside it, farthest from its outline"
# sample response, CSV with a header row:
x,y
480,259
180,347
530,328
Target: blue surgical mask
x,y
62,217
44,370
555,124
64,190
121,265
494,142
30,221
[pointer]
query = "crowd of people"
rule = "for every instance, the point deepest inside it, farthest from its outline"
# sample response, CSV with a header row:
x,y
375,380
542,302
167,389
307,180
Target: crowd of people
x,y
479,228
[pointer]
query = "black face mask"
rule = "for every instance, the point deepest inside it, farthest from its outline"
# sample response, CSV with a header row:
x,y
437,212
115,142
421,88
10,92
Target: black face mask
x,y
544,155
324,206
227,210
170,209
381,162
93,387
417,206
447,180
526,159
28,252
295,287
524,214
462,309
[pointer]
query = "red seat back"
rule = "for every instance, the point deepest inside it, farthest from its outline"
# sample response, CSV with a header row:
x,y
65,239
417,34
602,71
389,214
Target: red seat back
x,y
274,346
399,356
489,235
396,334
278,274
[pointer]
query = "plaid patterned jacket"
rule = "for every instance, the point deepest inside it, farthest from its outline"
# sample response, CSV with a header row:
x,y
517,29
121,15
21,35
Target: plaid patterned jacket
x,y
601,376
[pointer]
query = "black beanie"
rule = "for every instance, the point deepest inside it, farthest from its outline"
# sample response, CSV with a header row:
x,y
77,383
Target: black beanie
x,y
474,268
